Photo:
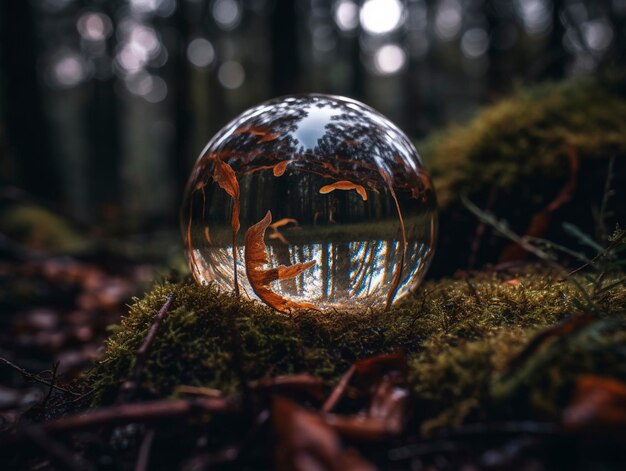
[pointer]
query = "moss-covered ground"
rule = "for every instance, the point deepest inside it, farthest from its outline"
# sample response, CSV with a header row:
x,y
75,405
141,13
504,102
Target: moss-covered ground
x,y
514,157
461,335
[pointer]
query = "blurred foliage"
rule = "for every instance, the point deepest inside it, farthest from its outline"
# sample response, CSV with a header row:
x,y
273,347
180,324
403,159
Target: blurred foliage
x,y
528,137
40,229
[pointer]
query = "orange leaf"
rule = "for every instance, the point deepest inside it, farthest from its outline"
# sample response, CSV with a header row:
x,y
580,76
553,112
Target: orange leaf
x,y
269,137
260,278
279,169
225,177
344,185
283,222
598,408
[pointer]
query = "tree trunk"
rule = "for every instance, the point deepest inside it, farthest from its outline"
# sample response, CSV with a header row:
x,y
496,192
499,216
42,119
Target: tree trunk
x,y
26,127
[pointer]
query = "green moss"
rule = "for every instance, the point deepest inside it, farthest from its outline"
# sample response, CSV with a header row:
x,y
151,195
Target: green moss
x,y
460,335
528,136
40,229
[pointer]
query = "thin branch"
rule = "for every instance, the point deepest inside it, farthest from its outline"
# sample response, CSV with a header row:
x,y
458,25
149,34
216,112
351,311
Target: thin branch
x,y
130,386
55,368
141,412
37,378
334,397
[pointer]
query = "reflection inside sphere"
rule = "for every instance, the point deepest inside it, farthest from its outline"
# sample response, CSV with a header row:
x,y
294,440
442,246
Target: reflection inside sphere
x,y
325,201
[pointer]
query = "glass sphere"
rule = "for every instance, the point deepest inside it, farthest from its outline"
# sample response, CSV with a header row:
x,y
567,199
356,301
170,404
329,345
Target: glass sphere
x,y
326,203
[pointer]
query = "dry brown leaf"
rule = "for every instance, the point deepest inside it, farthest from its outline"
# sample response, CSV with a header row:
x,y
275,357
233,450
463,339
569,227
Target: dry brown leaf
x,y
279,236
279,169
283,222
269,137
383,379
260,278
304,442
225,177
344,185
598,408
207,235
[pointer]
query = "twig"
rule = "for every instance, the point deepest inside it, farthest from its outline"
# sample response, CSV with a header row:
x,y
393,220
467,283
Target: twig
x,y
131,385
143,457
141,412
37,378
334,397
55,368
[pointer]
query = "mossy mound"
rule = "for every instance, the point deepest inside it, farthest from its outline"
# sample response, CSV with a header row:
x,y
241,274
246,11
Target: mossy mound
x,y
514,157
39,228
459,335
528,136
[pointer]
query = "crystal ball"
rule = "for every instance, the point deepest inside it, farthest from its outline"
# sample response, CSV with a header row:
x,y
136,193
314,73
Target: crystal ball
x,y
310,201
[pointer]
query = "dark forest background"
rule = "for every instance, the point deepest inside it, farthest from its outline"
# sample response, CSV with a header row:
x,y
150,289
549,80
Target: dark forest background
x,y
105,105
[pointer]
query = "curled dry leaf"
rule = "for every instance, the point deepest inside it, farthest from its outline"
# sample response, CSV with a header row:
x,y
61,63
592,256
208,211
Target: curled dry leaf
x,y
305,442
260,278
278,236
270,137
279,169
225,177
344,185
283,222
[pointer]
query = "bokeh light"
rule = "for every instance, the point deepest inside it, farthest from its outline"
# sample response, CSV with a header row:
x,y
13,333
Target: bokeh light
x,y
346,15
536,16
227,13
448,19
474,43
94,26
200,52
381,16
231,75
68,69
389,59
598,34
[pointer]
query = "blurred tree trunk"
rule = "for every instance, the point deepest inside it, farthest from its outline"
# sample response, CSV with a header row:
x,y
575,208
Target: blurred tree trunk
x,y
102,120
284,41
102,116
26,127
181,156
557,67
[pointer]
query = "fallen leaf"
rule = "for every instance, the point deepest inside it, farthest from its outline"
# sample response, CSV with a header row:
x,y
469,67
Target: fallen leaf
x,y
598,408
344,185
384,380
279,236
279,169
304,442
260,279
207,235
283,222
225,177
269,137
512,282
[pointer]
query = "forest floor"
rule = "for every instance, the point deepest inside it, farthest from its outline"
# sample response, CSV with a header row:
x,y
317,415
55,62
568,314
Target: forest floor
x,y
503,368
